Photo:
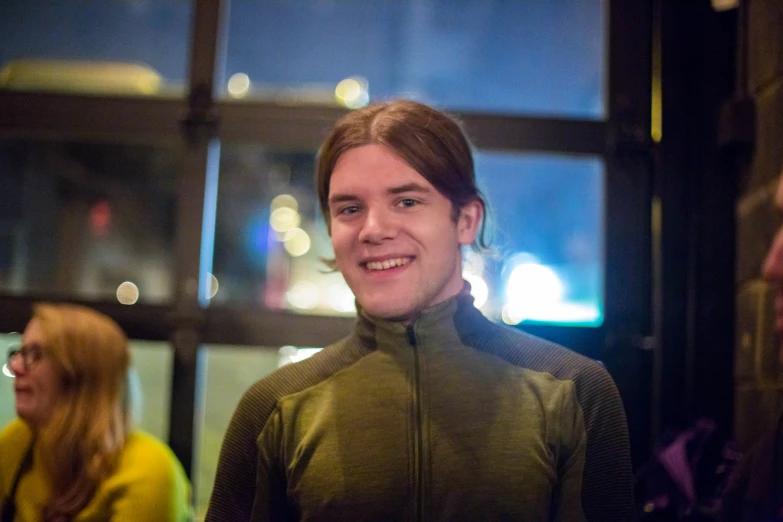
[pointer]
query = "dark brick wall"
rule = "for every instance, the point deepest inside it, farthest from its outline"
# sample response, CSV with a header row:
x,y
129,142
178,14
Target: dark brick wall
x,y
765,54
758,372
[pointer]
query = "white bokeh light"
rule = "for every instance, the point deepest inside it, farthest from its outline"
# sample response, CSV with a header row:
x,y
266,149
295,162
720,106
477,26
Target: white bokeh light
x,y
127,293
303,295
478,288
353,92
239,85
340,298
296,242
213,286
532,292
292,354
284,201
284,219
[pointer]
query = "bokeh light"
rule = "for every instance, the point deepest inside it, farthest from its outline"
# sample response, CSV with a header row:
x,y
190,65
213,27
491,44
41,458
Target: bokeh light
x,y
478,288
127,293
303,295
340,298
284,219
532,290
213,286
239,85
284,201
352,92
292,354
296,242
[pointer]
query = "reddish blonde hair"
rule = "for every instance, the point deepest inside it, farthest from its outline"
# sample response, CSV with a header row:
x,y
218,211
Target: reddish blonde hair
x,y
81,442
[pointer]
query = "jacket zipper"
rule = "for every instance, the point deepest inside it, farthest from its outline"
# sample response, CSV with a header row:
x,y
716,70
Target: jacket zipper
x,y
418,464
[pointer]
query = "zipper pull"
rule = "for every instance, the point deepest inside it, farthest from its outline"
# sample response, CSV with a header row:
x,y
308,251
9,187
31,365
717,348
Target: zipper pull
x,y
411,336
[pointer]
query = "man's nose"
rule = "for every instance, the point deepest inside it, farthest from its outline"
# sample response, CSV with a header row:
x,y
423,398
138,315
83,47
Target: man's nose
x,y
378,226
773,264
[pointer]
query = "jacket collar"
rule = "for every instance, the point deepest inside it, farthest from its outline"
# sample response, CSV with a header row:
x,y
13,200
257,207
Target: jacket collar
x,y
440,325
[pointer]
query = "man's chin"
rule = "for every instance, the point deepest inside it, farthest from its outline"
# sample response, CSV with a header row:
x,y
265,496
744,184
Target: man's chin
x,y
397,312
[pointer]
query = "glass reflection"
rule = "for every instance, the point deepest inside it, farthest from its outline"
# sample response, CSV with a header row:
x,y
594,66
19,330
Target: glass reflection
x,y
269,236
546,264
534,56
547,260
92,220
128,47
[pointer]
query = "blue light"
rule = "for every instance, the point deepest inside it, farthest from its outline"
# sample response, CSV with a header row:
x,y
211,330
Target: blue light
x,y
256,239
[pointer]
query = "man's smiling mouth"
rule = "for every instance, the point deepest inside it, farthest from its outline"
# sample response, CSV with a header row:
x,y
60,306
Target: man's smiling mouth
x,y
388,263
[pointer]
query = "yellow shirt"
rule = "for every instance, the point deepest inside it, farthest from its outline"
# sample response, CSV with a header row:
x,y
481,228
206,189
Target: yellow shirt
x,y
148,485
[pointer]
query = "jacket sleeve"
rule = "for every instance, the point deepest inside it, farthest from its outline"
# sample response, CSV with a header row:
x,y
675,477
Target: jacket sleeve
x,y
607,484
572,439
248,484
235,489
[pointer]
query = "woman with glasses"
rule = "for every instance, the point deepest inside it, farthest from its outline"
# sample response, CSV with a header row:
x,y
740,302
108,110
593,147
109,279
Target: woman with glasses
x,y
72,454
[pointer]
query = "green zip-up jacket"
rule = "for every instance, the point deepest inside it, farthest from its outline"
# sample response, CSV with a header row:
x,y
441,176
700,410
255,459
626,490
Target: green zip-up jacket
x,y
451,418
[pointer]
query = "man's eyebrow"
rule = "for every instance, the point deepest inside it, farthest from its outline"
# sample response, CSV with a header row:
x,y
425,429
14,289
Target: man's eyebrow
x,y
340,198
408,187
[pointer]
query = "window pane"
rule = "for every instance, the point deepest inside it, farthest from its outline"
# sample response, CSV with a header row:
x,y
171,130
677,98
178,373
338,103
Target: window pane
x,y
537,56
92,220
546,265
548,217
116,46
7,401
152,365
153,362
270,236
230,371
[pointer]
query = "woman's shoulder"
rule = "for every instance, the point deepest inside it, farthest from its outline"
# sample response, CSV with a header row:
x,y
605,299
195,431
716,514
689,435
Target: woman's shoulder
x,y
15,433
147,460
156,456
139,440
15,439
149,482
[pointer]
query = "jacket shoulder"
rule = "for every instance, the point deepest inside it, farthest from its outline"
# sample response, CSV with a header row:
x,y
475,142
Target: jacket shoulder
x,y
537,354
260,400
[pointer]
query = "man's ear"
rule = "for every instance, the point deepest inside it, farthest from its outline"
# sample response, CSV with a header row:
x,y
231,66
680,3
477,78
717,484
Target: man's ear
x,y
468,222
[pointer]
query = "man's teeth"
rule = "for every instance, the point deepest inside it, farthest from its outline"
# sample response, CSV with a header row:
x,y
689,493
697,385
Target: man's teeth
x,y
389,263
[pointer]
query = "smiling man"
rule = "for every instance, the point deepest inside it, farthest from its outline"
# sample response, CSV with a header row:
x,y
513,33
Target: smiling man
x,y
396,240
427,411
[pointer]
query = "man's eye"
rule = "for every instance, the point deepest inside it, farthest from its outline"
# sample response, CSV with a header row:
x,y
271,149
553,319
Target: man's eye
x,y
353,209
408,202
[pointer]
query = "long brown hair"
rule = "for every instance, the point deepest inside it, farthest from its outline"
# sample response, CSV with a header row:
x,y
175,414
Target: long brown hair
x,y
81,441
428,140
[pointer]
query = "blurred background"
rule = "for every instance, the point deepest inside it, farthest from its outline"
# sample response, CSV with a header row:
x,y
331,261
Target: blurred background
x,y
157,158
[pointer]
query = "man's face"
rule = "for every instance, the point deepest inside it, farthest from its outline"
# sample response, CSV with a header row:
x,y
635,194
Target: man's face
x,y
773,267
394,238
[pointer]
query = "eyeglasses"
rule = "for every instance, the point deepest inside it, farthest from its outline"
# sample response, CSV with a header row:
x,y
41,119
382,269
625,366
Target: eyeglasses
x,y
30,354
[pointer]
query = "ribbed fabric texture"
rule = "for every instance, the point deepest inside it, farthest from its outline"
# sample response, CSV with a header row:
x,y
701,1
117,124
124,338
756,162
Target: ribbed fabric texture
x,y
606,487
